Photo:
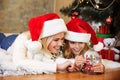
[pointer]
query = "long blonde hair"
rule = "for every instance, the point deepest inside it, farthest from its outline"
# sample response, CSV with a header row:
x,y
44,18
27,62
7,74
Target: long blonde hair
x,y
68,53
44,42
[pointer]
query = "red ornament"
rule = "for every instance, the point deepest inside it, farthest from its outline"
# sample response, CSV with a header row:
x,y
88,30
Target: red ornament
x,y
109,20
74,15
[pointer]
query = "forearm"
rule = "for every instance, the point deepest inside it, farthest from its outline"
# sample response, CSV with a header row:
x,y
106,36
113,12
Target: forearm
x,y
38,67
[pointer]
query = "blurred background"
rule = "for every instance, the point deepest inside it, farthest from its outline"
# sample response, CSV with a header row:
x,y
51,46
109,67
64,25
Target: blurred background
x,y
15,14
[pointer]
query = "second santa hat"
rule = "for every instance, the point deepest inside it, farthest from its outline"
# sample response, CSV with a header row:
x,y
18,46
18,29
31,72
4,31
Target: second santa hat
x,y
81,31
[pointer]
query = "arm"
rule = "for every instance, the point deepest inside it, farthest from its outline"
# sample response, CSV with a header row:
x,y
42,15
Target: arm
x,y
20,57
79,61
65,64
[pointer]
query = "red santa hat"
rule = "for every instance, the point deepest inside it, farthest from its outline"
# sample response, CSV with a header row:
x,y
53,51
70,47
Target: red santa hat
x,y
44,26
81,31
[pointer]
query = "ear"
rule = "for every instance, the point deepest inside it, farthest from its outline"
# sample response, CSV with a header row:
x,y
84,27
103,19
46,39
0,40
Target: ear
x,y
113,39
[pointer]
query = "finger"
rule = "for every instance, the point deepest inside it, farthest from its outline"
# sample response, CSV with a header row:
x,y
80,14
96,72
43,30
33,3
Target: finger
x,y
81,57
77,69
99,68
70,70
80,62
97,64
100,59
77,57
72,66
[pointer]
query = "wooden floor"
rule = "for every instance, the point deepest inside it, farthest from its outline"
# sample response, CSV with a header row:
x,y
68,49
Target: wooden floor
x,y
113,74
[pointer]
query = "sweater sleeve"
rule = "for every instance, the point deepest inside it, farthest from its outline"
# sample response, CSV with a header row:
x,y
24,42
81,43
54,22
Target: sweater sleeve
x,y
37,67
19,56
60,60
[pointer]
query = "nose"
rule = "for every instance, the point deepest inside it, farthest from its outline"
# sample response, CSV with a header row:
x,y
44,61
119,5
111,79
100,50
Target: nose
x,y
108,44
77,45
60,43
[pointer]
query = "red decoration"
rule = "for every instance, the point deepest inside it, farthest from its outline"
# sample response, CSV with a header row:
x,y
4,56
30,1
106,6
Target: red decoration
x,y
87,69
74,15
103,29
109,20
90,59
107,54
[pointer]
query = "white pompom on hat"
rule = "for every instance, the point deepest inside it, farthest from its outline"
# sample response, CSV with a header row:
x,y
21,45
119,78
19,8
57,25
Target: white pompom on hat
x,y
81,31
45,26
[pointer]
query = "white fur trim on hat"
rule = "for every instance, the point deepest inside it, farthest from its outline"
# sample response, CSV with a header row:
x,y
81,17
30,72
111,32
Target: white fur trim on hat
x,y
52,27
77,37
33,48
98,46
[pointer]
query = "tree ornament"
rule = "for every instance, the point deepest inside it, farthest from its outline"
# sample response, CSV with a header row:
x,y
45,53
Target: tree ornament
x,y
109,20
97,6
74,15
99,2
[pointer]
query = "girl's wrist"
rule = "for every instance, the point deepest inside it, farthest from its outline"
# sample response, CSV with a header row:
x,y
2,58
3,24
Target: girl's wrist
x,y
103,69
57,69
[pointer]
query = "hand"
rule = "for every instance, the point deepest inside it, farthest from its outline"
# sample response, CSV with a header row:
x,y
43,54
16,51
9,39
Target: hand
x,y
99,67
79,60
66,66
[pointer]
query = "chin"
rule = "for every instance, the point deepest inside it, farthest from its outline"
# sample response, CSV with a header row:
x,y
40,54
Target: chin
x,y
76,53
56,52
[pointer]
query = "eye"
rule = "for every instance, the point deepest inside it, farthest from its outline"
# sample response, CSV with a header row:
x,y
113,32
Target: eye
x,y
72,42
81,42
57,39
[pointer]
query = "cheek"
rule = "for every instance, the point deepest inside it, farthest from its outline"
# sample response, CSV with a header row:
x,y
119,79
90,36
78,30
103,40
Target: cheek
x,y
50,46
71,46
82,46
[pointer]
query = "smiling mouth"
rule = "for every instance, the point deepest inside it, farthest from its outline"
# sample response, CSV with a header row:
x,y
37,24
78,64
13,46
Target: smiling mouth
x,y
57,48
76,50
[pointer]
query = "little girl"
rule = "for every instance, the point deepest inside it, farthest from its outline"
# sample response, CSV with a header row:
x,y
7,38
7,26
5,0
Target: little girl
x,y
78,38
37,51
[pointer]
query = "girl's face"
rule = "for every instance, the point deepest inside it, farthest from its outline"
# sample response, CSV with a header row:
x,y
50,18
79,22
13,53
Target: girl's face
x,y
56,43
76,47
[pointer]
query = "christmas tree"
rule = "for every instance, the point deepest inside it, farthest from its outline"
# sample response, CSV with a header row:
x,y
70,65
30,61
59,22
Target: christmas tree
x,y
96,10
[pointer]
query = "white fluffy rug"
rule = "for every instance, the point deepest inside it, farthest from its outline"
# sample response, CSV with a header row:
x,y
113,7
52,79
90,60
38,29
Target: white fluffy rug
x,y
8,68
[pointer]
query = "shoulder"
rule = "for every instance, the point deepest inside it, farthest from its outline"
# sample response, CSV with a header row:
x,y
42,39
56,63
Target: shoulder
x,y
24,35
